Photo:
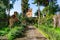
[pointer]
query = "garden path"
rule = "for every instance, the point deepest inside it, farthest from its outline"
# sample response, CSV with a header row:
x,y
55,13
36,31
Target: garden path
x,y
32,34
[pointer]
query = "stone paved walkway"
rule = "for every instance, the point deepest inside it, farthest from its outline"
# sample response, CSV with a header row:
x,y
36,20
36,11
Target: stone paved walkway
x,y
32,34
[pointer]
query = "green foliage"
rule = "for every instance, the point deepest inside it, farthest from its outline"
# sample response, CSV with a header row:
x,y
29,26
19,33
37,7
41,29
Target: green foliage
x,y
47,27
53,35
36,13
4,4
31,20
2,13
41,2
47,19
15,32
4,31
3,24
7,3
52,8
26,20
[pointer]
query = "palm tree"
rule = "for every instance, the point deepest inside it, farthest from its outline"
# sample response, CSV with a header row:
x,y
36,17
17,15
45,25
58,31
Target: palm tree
x,y
25,6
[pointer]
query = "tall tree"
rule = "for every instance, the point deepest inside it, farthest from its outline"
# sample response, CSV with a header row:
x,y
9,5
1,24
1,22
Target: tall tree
x,y
2,10
8,5
52,8
2,13
40,3
25,6
5,4
36,13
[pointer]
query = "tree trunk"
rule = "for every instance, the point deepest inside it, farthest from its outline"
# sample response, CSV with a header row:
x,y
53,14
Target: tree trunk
x,y
38,14
8,12
8,15
8,8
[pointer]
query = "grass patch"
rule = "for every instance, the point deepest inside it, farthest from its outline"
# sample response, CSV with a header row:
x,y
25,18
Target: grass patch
x,y
53,33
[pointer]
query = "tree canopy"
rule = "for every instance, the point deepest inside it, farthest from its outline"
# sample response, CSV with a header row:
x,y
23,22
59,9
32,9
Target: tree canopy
x,y
51,8
5,4
41,2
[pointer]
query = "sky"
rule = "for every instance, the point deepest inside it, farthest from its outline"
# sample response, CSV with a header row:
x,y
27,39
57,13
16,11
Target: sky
x,y
17,7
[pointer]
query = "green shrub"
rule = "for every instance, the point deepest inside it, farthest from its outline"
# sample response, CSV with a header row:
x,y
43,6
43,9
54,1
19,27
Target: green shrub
x,y
14,32
3,24
36,25
4,31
